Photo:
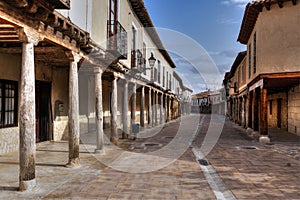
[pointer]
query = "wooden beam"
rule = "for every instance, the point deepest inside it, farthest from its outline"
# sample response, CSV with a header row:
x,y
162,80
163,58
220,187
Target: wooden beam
x,y
37,50
267,5
280,3
18,3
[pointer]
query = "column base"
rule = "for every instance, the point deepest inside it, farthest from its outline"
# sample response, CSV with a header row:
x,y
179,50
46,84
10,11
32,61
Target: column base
x,y
132,137
264,139
114,140
27,185
124,135
100,151
255,134
73,163
249,131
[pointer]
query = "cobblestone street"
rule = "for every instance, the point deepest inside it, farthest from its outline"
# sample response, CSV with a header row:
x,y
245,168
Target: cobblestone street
x,y
247,169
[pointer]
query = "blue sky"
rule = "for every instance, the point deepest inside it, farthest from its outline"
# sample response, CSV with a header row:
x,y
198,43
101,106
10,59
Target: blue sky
x,y
214,24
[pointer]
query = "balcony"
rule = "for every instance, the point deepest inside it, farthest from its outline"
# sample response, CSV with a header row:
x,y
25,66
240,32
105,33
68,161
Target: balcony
x,y
117,39
137,62
60,4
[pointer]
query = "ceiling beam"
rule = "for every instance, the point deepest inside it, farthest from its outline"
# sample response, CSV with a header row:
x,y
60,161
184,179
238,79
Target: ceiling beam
x,y
37,50
280,3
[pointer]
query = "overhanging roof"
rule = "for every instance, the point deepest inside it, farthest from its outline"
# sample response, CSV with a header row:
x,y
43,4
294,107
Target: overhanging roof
x,y
251,14
240,57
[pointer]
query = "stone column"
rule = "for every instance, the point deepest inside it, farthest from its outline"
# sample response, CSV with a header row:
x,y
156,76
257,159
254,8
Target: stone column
x,y
150,108
153,109
170,108
142,107
99,109
161,107
27,126
250,110
264,138
125,111
166,108
255,111
74,129
156,108
133,110
114,112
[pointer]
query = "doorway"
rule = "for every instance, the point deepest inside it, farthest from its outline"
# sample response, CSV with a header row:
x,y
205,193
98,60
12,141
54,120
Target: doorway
x,y
279,111
43,111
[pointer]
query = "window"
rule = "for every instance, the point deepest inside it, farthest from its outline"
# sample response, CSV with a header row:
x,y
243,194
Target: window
x,y
144,56
271,107
155,74
249,61
164,76
159,68
8,103
167,82
254,53
113,13
133,47
170,84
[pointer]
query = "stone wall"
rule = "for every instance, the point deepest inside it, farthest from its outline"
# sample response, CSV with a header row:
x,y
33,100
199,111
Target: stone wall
x,y
294,110
273,117
10,68
9,140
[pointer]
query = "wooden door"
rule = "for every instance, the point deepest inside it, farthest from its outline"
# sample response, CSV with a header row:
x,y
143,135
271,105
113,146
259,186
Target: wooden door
x,y
43,111
279,111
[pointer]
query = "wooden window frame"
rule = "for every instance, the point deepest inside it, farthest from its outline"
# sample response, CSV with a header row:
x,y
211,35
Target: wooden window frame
x,y
254,53
3,102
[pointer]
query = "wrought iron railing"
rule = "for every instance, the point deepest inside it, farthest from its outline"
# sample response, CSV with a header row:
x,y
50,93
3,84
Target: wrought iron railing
x,y
117,39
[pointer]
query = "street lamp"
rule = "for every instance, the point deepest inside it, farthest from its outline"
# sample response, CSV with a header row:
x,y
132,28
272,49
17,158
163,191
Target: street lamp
x,y
151,60
137,71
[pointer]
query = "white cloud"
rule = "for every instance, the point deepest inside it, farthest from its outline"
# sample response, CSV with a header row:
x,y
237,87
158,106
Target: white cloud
x,y
238,3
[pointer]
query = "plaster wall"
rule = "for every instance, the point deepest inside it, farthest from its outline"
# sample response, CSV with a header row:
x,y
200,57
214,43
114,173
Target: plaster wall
x,y
278,40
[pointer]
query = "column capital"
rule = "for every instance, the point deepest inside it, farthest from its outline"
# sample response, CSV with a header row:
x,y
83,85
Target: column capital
x,y
73,56
28,36
98,70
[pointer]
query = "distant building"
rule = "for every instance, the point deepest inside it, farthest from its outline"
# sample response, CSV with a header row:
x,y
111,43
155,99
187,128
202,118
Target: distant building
x,y
263,85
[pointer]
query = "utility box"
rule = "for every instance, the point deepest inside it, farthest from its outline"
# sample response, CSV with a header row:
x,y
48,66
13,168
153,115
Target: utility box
x,y
135,128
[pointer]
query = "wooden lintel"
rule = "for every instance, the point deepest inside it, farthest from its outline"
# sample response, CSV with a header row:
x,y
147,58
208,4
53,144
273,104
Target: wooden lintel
x,y
282,75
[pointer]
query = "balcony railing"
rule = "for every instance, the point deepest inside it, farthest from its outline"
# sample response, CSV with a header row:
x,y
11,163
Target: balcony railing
x,y
60,4
117,39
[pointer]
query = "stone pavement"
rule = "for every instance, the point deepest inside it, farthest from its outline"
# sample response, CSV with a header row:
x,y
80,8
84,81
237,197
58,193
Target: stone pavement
x,y
266,172
252,170
181,179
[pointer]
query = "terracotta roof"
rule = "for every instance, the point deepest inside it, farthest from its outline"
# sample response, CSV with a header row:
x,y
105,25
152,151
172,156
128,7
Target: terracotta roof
x,y
240,57
201,95
251,14
143,15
